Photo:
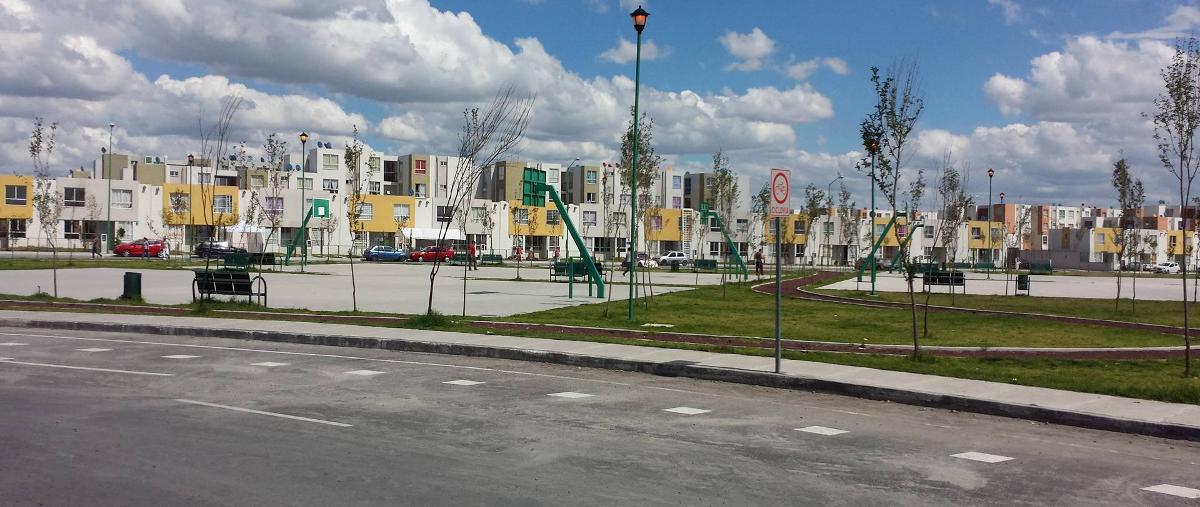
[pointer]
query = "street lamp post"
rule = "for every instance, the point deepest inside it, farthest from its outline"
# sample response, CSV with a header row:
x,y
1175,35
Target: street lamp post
x,y
991,237
191,221
108,176
639,23
1003,234
303,223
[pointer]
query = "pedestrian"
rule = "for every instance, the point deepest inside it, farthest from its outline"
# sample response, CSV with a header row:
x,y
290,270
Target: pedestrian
x,y
556,255
471,264
758,263
625,265
95,246
166,250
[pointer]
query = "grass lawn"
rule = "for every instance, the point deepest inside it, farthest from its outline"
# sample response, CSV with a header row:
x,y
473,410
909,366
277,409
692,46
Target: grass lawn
x,y
84,260
1152,312
746,313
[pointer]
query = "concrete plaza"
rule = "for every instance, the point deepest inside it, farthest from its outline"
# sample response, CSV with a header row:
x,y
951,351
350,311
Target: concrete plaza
x,y
1063,286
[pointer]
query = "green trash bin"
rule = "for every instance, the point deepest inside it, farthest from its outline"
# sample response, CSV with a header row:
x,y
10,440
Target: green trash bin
x,y
1023,283
674,266
133,286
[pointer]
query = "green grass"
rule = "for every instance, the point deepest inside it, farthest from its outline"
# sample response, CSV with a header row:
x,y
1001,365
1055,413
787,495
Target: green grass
x,y
745,313
85,261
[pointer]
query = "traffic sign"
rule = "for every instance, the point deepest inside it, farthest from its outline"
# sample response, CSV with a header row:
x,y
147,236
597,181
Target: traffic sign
x,y
781,192
320,208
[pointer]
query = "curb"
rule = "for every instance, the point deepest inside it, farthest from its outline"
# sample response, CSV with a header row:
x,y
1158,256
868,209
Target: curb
x,y
669,369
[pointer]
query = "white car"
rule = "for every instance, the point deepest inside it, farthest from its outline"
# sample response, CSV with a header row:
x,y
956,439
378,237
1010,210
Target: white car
x,y
1167,267
673,256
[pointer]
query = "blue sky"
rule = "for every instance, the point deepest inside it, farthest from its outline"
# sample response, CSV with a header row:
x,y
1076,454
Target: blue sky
x,y
1048,93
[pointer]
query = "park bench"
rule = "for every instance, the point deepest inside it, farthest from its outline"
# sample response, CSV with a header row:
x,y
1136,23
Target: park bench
x,y
229,283
492,259
951,278
563,269
1040,268
985,265
704,265
263,258
458,259
236,261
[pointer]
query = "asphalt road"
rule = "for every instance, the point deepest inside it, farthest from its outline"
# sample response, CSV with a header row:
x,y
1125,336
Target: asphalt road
x,y
108,419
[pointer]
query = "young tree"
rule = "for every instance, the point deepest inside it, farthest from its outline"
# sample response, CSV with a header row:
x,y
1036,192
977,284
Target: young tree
x,y
214,148
1176,118
648,162
47,200
846,219
814,207
487,222
520,216
725,193
356,182
488,134
899,103
760,207
1130,197
274,150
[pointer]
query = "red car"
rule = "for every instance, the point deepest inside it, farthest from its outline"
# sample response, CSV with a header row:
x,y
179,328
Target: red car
x,y
141,248
431,254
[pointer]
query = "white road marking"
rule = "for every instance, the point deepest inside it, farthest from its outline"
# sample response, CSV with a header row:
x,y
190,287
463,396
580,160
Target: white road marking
x,y
687,410
93,350
179,356
12,344
269,364
822,430
980,456
571,395
263,412
1180,491
463,383
5,360
364,373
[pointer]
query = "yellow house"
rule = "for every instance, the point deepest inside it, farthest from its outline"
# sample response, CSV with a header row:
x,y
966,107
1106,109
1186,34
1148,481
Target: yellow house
x,y
18,197
1174,245
663,224
536,220
199,204
893,235
378,217
793,226
977,237
1104,240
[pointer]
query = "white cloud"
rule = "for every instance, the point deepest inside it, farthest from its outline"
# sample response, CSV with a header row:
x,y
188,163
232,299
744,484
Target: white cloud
x,y
1179,23
801,71
626,51
1010,8
749,49
837,65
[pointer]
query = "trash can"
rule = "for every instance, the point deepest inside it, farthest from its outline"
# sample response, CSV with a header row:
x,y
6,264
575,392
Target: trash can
x,y
674,266
133,286
1023,282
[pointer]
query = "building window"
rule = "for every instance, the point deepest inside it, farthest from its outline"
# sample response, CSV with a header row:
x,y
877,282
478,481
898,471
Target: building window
x,y
205,178
222,204
743,225
928,232
273,205
478,212
306,183
329,185
420,190
180,202
551,217
373,164
798,227
828,228
552,177
589,218
618,219
976,233
16,228
1045,241
656,223
445,214
521,216
676,202
590,177
258,181
73,197
714,226
329,162
419,165
71,229
1100,238
399,212
714,248
366,211
122,198
590,198
375,188
16,195
676,182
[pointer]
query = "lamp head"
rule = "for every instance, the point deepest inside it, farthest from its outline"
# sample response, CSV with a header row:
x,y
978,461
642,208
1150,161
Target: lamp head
x,y
639,18
304,137
991,172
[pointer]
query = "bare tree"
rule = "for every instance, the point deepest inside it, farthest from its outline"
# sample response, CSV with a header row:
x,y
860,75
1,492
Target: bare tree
x,y
488,134
760,207
1130,197
1176,118
274,150
814,207
356,184
47,200
954,201
487,222
847,221
648,161
214,148
725,193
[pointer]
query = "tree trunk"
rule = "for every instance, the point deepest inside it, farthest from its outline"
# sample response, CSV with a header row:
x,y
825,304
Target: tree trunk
x,y
1187,339
54,267
912,305
466,265
1133,301
353,283
1117,303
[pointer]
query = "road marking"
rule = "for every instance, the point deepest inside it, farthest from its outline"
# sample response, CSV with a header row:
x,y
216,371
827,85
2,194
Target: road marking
x,y
364,373
980,456
93,350
5,360
269,364
1180,491
263,412
463,382
687,410
179,356
571,395
12,344
822,430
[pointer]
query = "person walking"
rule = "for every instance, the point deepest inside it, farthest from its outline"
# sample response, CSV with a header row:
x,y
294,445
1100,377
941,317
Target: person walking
x,y
96,247
471,257
625,265
758,263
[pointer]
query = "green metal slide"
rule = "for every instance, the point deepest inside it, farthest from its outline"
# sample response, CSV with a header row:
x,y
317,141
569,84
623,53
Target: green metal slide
x,y
593,273
298,239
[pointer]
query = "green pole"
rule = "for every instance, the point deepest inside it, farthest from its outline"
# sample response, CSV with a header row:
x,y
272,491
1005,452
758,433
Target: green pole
x,y
304,221
872,215
637,79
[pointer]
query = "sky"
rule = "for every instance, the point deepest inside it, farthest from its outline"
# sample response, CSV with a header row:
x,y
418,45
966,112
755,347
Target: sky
x,y
1049,94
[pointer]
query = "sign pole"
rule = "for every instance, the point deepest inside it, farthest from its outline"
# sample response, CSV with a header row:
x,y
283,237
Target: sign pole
x,y
781,199
778,297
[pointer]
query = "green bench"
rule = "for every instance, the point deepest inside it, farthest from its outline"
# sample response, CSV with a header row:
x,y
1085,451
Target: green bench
x,y
491,259
229,283
704,265
950,278
1040,268
563,269
458,259
236,261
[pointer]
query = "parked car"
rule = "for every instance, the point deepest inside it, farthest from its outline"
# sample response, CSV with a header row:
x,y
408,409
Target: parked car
x,y
673,256
385,253
432,253
644,261
211,248
1167,267
144,247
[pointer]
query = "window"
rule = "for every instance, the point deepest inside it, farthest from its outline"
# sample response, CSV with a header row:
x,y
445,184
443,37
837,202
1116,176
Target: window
x,y
445,213
590,177
375,188
1045,240
205,178
373,164
714,248
71,229
175,174
273,205
676,182
73,196
552,177
329,185
713,226
16,195
122,198
677,202
366,211
222,204
995,234
180,202
521,216
590,198
16,228
552,217
329,162
928,232
478,212
589,218
306,183
798,227
618,219
420,190
399,212
828,228
743,225
419,165
976,233
1100,238
258,181
656,223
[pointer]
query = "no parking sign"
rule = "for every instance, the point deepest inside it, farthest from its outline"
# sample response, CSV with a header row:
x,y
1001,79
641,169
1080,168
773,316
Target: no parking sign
x,y
781,192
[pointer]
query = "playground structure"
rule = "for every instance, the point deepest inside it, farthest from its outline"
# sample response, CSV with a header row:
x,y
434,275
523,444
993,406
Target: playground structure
x,y
706,213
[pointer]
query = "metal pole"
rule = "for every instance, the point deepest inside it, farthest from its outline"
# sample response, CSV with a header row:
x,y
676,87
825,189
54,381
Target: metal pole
x,y
871,260
778,297
991,246
108,176
632,249
303,224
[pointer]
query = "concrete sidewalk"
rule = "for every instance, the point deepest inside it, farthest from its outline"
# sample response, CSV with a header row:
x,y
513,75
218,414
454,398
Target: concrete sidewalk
x,y
1112,413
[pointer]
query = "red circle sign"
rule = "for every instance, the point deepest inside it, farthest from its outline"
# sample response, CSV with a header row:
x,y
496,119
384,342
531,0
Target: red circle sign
x,y
780,189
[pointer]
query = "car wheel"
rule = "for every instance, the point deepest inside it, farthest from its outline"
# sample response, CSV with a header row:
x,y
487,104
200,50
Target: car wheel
x,y
125,253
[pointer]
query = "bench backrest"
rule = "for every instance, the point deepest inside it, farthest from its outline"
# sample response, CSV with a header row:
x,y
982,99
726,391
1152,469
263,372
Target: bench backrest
x,y
236,261
223,282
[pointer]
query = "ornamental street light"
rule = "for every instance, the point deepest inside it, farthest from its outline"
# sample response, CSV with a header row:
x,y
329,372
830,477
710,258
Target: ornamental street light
x,y
303,204
991,237
639,23
191,162
1003,233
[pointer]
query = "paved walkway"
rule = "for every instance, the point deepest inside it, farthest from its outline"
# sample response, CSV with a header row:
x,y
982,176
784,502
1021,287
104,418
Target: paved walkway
x,y
1064,407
